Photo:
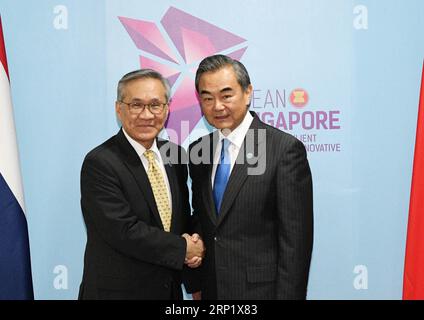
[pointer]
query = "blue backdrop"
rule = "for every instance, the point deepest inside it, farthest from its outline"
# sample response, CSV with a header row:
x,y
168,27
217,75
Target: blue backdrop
x,y
343,76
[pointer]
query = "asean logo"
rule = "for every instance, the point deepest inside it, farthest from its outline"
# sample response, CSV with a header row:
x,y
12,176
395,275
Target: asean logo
x,y
175,48
299,98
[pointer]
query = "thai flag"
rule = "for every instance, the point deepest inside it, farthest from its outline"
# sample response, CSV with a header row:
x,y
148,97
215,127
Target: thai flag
x,y
15,265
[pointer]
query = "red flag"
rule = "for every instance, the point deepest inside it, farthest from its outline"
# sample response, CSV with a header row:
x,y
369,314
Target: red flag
x,y
413,277
3,59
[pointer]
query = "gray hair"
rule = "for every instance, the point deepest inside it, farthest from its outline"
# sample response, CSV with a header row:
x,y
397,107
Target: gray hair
x,y
219,61
142,74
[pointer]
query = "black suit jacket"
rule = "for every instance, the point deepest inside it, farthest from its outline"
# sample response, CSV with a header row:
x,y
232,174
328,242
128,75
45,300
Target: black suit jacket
x,y
128,254
260,244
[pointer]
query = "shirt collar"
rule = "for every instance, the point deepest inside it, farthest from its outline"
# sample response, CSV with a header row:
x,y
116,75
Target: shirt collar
x,y
237,136
139,148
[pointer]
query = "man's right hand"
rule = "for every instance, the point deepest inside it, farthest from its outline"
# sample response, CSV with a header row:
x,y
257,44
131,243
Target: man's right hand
x,y
195,250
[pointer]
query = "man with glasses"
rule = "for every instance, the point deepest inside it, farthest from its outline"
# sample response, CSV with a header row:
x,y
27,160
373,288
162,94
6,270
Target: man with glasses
x,y
135,202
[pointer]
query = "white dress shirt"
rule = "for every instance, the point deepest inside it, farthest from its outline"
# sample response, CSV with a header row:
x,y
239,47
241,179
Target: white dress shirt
x,y
236,138
140,149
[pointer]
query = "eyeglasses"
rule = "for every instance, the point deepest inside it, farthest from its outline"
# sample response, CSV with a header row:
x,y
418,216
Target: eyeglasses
x,y
138,107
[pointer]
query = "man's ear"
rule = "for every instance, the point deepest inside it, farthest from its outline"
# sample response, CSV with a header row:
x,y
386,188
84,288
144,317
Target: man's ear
x,y
118,110
248,94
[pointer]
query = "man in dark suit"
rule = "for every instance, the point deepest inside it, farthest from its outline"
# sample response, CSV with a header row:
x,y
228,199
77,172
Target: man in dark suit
x,y
252,194
135,202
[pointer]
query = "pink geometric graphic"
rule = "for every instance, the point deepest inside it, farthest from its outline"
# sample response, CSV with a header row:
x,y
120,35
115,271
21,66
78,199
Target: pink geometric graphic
x,y
193,52
176,21
184,108
168,72
147,37
194,39
236,55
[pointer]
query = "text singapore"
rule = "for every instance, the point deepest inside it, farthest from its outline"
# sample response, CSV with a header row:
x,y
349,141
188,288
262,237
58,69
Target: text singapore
x,y
307,120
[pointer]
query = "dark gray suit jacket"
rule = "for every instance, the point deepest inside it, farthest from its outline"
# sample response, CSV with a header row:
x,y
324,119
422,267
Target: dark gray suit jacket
x,y
128,254
260,244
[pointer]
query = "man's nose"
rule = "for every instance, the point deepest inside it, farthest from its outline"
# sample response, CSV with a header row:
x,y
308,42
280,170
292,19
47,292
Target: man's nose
x,y
146,114
218,105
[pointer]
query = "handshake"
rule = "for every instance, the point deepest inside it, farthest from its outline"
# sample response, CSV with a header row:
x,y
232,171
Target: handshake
x,y
195,250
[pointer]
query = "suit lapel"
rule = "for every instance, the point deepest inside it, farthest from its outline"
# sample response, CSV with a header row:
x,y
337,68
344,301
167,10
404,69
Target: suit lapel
x,y
206,188
208,196
135,166
239,174
172,178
